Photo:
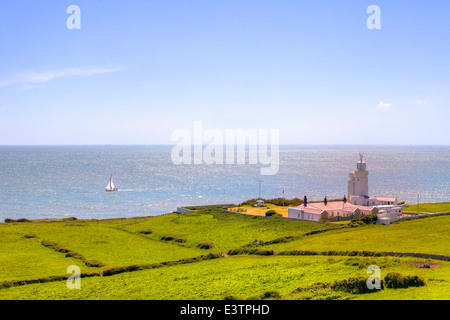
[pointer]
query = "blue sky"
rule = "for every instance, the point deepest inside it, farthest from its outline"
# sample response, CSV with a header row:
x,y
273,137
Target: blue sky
x,y
138,70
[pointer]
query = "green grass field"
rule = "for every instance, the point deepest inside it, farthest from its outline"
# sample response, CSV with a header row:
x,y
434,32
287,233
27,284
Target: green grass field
x,y
120,243
428,207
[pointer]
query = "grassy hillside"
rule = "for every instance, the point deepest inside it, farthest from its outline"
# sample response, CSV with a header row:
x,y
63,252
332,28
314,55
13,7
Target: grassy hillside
x,y
136,245
224,230
119,242
247,277
428,207
427,235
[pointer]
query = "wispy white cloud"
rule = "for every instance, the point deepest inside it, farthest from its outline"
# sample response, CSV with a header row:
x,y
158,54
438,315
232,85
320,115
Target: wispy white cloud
x,y
382,106
38,77
420,102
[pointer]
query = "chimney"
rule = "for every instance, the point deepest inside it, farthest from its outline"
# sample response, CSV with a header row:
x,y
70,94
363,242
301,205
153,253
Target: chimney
x,y
325,200
305,201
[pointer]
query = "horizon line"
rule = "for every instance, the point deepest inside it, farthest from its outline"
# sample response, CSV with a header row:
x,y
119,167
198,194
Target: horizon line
x,y
206,144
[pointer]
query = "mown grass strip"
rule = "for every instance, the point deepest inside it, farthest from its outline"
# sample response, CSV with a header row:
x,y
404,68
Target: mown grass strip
x,y
71,254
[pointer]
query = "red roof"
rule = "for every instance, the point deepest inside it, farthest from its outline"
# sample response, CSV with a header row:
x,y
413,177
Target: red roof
x,y
318,207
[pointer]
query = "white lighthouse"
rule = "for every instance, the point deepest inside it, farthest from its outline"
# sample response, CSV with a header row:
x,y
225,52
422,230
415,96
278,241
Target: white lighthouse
x,y
359,202
358,182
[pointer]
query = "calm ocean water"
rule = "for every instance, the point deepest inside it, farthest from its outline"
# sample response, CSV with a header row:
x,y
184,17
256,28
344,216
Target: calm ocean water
x,y
66,181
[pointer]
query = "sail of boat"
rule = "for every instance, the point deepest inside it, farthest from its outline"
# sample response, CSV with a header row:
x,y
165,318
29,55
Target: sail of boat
x,y
111,186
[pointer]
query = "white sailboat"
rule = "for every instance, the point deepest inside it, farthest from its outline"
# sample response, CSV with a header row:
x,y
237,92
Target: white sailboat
x,y
110,187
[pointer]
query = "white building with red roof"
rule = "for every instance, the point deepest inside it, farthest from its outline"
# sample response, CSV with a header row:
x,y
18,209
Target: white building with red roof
x,y
359,202
329,210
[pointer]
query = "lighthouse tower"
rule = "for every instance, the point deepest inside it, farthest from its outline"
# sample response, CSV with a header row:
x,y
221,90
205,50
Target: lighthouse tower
x,y
358,182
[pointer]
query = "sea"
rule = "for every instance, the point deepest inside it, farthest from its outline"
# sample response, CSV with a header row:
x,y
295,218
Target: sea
x,y
39,182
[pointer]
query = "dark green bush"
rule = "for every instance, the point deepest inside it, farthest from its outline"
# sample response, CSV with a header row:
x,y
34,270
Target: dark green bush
x,y
271,295
69,219
18,220
29,236
173,238
395,280
146,231
270,213
356,285
74,255
205,245
253,251
71,254
93,263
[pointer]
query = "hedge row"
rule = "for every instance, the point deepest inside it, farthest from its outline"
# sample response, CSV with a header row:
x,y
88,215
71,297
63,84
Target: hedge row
x,y
354,285
136,267
358,285
15,283
331,253
71,254
18,220
255,251
396,280
173,238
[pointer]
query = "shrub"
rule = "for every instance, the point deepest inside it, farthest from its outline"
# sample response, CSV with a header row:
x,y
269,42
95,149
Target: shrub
x,y
28,236
277,215
74,255
18,220
254,251
71,254
69,219
366,219
356,223
173,238
205,245
355,285
271,295
146,231
279,240
395,280
313,287
270,213
93,263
